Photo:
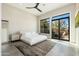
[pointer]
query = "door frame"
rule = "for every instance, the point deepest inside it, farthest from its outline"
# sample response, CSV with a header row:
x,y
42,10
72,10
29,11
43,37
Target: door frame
x,y
59,27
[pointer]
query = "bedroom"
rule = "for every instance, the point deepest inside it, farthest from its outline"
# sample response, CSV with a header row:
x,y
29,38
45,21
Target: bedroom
x,y
17,20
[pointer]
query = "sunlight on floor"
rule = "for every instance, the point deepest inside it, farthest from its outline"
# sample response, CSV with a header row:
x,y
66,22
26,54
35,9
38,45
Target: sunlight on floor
x,y
63,48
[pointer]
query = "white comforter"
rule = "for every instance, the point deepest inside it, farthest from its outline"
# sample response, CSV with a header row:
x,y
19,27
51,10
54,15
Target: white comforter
x,y
33,38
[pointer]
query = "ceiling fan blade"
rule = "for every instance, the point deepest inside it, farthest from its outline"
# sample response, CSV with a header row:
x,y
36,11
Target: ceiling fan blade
x,y
38,9
29,7
36,5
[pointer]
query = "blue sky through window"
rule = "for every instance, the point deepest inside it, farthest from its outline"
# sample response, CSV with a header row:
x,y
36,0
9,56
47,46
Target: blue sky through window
x,y
61,16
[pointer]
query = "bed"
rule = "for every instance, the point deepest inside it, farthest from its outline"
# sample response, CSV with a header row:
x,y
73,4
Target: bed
x,y
33,38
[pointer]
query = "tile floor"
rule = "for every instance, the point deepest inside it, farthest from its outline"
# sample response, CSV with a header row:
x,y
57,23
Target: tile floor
x,y
62,48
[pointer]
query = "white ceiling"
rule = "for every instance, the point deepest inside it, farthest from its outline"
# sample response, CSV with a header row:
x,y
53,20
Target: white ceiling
x,y
45,7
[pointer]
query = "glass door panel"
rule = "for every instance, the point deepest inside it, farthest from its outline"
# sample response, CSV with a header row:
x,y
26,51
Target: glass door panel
x,y
64,29
55,31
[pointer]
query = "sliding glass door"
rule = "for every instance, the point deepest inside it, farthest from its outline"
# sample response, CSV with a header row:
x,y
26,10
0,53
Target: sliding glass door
x,y
64,29
55,29
60,28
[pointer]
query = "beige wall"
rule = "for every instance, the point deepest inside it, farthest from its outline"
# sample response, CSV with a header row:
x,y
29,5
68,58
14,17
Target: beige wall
x,y
77,29
0,29
19,20
66,9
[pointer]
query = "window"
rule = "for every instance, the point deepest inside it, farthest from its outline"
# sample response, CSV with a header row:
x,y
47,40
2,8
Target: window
x,y
60,27
44,25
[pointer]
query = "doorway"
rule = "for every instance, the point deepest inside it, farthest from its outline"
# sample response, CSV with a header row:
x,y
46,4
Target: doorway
x,y
61,28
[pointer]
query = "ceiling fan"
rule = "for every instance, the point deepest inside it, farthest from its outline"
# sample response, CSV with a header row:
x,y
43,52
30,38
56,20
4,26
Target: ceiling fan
x,y
36,7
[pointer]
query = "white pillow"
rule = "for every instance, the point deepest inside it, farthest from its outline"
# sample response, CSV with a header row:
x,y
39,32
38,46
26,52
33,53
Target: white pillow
x,y
28,34
31,34
34,33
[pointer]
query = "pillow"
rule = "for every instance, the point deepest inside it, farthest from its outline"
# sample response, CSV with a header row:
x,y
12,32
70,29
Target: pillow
x,y
34,33
28,34
31,34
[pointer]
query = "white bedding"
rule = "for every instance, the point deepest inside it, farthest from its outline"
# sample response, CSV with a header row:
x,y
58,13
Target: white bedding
x,y
33,38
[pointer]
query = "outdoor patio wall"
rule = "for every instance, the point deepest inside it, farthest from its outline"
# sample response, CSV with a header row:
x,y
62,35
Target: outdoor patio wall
x,y
66,9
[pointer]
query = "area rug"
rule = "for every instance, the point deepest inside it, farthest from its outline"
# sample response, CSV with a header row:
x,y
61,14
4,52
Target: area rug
x,y
40,49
